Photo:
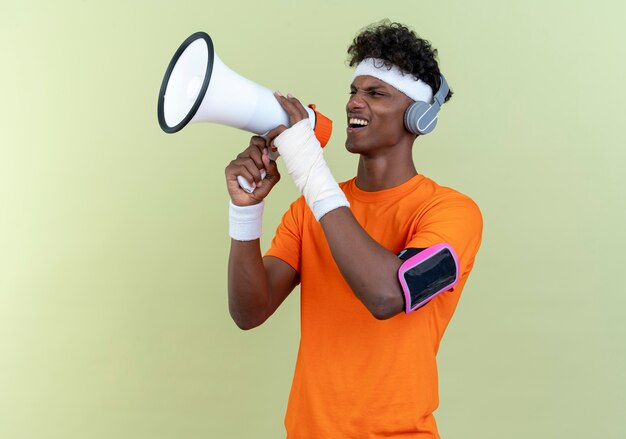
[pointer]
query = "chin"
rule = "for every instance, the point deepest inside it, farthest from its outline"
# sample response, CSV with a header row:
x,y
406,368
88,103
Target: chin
x,y
352,147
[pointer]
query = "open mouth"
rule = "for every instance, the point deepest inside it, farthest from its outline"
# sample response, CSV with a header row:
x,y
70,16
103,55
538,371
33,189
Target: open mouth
x,y
355,122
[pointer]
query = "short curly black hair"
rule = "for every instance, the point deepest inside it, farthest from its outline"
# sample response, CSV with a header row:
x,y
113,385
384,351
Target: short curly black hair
x,y
397,45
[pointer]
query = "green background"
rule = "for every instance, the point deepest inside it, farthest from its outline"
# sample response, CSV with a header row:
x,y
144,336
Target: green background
x,y
114,240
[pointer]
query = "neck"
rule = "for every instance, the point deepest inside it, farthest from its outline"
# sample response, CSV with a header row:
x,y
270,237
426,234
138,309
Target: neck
x,y
376,173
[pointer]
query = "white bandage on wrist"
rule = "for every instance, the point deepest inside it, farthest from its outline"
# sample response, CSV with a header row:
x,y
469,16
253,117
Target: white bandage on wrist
x,y
304,160
245,222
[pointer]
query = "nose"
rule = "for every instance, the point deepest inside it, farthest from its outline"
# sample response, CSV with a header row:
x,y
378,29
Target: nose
x,y
355,102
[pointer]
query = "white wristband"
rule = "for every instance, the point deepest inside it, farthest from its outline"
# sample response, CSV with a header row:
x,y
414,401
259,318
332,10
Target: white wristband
x,y
245,222
304,160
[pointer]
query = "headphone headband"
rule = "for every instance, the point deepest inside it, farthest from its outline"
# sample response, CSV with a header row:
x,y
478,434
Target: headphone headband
x,y
440,96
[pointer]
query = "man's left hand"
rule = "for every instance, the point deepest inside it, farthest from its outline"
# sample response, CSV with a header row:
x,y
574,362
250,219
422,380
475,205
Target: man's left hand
x,y
295,111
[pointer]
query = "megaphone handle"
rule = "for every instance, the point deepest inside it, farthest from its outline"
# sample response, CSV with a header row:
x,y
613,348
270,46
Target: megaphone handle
x,y
246,185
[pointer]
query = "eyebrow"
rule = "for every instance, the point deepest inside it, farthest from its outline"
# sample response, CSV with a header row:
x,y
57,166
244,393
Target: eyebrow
x,y
370,88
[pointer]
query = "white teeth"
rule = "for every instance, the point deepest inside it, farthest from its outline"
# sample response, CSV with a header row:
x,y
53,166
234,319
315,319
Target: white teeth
x,y
355,121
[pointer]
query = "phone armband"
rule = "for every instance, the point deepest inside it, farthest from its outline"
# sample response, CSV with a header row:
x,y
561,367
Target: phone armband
x,y
426,273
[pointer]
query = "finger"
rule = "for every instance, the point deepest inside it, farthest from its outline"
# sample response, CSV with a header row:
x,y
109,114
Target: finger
x,y
273,176
245,167
235,169
292,108
299,107
254,170
258,142
235,188
254,151
270,136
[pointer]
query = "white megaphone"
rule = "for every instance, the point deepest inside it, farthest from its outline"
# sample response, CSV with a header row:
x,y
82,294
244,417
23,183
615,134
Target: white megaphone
x,y
199,87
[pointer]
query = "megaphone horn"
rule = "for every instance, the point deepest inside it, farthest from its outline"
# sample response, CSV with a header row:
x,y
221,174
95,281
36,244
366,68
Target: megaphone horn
x,y
199,87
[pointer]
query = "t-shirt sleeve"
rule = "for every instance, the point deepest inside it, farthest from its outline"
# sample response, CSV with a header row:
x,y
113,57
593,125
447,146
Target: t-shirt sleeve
x,y
455,220
287,242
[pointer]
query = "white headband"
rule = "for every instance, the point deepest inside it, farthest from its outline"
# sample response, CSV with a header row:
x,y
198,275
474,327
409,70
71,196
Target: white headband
x,y
416,89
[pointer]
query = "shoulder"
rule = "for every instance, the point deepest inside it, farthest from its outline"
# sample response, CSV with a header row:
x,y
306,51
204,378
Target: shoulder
x,y
443,198
450,214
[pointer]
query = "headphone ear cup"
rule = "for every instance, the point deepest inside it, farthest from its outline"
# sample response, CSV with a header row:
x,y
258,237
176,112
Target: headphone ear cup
x,y
420,118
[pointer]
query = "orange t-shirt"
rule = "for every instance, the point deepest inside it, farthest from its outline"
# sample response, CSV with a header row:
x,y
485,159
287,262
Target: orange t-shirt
x,y
355,376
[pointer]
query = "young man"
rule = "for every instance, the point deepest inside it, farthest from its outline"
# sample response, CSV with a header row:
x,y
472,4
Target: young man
x,y
366,364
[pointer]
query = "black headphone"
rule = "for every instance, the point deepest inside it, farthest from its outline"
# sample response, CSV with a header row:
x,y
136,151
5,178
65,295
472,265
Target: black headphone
x,y
421,117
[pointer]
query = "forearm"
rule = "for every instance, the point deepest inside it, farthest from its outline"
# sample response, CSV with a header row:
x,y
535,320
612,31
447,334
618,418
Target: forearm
x,y
248,289
256,285
369,269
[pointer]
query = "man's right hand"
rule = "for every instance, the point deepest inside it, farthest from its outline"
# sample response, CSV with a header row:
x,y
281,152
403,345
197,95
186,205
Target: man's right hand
x,y
248,164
